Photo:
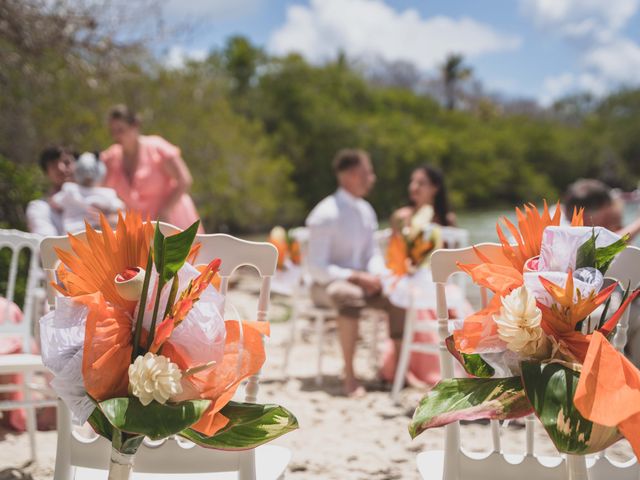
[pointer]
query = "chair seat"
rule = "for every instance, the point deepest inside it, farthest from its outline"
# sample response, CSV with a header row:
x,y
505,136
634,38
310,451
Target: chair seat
x,y
21,363
495,466
271,463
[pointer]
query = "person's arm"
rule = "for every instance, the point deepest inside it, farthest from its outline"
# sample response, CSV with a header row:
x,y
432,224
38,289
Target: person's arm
x,y
632,229
39,219
175,168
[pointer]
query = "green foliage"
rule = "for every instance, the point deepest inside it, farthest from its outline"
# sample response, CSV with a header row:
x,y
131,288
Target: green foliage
x,y
600,258
250,425
155,420
550,389
258,132
456,399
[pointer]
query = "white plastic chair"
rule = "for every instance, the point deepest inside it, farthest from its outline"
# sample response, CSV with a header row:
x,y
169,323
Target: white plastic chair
x,y
79,458
25,363
303,307
453,238
456,464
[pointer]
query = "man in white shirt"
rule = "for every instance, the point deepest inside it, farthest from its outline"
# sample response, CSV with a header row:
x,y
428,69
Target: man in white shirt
x,y
344,258
57,164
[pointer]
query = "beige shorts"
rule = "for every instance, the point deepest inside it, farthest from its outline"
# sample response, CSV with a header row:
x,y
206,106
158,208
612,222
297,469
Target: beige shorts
x,y
349,299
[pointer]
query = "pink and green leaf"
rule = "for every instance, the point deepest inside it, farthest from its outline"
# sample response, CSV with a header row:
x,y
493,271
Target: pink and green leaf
x,y
457,399
472,363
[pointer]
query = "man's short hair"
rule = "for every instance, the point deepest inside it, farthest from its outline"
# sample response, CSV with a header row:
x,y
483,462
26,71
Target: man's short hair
x,y
52,154
348,158
587,193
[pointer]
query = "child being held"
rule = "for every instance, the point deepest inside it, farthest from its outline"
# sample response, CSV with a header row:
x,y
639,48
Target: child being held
x,y
85,200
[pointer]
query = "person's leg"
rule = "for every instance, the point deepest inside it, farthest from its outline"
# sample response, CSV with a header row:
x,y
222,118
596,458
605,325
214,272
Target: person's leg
x,y
349,299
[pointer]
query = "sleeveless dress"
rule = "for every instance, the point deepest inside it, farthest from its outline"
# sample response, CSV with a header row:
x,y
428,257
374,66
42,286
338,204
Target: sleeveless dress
x,y
151,185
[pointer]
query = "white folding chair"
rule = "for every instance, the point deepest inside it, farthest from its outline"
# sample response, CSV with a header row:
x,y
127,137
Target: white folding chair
x,y
78,457
25,363
453,238
303,307
456,464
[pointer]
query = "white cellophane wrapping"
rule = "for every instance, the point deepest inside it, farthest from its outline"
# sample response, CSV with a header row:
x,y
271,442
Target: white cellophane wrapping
x,y
62,341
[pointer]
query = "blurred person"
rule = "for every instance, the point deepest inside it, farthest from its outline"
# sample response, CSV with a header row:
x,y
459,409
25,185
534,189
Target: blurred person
x,y
428,205
83,199
147,172
602,207
344,259
57,163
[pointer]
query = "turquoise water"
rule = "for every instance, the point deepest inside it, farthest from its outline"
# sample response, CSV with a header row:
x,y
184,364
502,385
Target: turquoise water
x,y
482,224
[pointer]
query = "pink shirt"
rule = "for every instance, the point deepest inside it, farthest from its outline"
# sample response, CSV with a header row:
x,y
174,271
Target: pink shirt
x,y
151,185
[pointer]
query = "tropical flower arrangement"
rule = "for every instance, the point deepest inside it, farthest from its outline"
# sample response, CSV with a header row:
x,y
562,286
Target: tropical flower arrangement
x,y
543,343
288,247
139,347
411,245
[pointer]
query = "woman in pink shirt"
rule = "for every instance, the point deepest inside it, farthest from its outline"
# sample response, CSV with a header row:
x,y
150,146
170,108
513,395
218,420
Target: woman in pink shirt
x,y
147,172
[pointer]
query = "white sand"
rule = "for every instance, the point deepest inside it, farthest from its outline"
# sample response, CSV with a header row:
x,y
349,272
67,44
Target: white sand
x,y
339,438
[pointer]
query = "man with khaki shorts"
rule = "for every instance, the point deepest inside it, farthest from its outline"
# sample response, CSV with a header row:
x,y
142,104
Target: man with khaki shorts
x,y
344,258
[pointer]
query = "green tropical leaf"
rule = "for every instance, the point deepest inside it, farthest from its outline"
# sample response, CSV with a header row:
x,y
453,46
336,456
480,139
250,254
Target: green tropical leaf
x,y
170,253
605,255
155,420
250,425
550,389
470,399
100,424
473,363
586,255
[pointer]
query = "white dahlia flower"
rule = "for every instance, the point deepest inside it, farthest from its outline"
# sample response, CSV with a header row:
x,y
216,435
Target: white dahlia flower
x,y
519,324
154,377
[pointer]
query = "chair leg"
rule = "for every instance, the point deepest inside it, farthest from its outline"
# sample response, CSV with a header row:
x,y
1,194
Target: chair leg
x,y
30,410
319,327
292,340
63,469
405,353
247,467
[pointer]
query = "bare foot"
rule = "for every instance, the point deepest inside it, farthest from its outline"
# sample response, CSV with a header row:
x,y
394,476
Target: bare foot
x,y
353,389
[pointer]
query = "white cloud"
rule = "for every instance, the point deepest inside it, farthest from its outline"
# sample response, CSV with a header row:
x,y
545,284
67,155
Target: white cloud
x,y
211,9
617,61
596,19
373,28
557,86
177,56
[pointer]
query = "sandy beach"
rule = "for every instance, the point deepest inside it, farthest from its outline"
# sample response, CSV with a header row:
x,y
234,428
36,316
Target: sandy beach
x,y
339,438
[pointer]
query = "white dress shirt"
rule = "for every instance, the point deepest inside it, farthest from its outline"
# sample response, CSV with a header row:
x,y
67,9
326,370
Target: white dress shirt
x,y
44,220
341,238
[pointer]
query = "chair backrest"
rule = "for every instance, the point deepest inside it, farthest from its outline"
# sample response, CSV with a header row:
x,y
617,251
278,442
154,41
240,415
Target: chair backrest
x,y
626,270
455,237
175,456
16,242
444,262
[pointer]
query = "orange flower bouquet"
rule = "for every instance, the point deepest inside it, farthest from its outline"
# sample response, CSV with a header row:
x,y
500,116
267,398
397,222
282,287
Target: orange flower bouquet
x,y
139,348
288,247
544,342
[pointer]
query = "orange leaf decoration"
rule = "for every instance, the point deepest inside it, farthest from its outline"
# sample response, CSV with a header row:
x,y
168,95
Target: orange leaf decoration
x,y
397,255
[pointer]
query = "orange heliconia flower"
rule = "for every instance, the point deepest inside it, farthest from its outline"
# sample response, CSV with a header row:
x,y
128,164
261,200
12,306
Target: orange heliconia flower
x,y
96,260
397,253
184,304
502,279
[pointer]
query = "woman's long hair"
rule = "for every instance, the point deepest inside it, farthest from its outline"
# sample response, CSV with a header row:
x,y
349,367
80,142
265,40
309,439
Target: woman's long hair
x,y
441,200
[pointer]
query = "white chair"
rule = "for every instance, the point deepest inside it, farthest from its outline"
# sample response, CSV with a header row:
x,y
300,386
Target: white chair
x,y
453,238
25,363
456,464
79,457
303,307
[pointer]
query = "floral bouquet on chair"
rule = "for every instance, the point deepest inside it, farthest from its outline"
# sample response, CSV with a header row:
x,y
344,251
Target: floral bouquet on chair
x,y
288,247
139,348
410,248
543,343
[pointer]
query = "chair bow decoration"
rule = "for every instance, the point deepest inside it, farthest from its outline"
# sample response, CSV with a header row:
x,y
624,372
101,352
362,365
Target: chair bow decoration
x,y
543,343
138,345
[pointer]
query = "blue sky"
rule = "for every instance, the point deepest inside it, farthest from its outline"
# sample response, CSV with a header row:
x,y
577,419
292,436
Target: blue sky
x,y
540,49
